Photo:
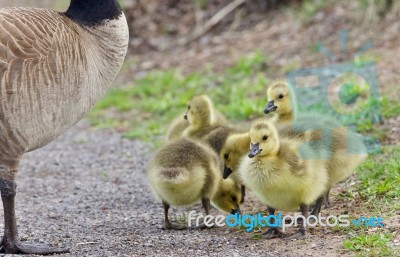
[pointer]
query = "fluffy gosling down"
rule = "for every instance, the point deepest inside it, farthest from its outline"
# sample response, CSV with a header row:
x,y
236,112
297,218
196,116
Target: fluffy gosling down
x,y
278,176
205,125
181,123
176,128
346,149
280,101
235,147
185,171
202,117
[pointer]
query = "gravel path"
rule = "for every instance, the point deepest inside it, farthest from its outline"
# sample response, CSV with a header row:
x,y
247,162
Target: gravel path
x,y
87,190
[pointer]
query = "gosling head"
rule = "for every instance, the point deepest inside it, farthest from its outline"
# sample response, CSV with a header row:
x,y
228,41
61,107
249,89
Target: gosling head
x,y
263,139
228,196
278,98
234,148
200,111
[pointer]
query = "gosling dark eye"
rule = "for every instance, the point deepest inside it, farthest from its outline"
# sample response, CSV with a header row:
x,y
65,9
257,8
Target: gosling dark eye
x,y
188,107
234,199
280,96
265,137
226,156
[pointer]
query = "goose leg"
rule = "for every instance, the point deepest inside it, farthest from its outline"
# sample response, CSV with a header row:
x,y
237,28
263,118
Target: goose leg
x,y
301,233
326,200
272,232
167,224
243,189
10,243
206,205
317,206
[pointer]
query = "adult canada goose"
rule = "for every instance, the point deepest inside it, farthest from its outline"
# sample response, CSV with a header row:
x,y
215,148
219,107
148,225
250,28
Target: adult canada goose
x,y
280,178
53,67
185,171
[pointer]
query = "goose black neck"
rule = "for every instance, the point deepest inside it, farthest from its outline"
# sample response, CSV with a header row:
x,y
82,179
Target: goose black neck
x,y
93,12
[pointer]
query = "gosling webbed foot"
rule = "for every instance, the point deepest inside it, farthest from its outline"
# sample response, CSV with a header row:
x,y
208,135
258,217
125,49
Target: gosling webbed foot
x,y
17,247
300,234
9,243
298,220
203,226
173,226
272,233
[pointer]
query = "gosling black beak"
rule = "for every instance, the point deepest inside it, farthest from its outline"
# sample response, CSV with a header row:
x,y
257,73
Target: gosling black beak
x,y
227,172
237,210
254,150
185,116
270,107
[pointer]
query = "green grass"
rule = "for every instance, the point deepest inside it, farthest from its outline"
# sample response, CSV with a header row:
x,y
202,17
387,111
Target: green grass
x,y
309,8
380,180
390,108
380,7
379,194
144,108
371,245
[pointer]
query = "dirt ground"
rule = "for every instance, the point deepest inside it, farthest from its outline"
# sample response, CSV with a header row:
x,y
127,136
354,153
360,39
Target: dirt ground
x,y
87,190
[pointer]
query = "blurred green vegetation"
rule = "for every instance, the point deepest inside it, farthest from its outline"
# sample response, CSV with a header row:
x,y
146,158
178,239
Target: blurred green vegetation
x,y
371,245
380,180
380,7
144,107
309,8
379,191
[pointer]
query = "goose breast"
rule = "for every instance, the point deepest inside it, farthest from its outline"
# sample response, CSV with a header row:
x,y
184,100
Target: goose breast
x,y
52,71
